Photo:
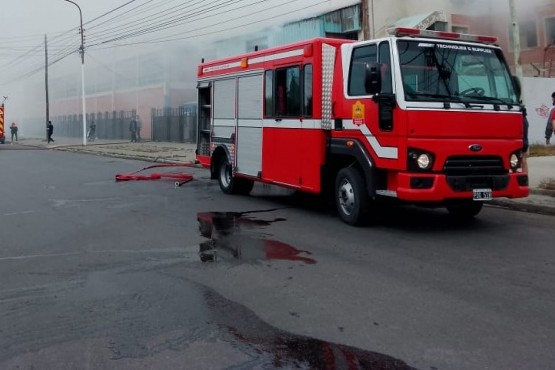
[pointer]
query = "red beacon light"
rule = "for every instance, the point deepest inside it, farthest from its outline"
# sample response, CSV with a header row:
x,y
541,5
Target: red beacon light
x,y
415,32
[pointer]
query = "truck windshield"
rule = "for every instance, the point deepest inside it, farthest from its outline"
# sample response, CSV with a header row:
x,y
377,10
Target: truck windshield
x,y
440,71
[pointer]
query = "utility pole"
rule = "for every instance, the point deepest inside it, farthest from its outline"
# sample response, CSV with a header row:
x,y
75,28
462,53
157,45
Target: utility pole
x,y
516,39
46,83
373,19
365,20
82,50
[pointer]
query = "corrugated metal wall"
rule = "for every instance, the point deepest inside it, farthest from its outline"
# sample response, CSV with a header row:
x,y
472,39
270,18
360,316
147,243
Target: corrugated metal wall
x,y
109,125
174,125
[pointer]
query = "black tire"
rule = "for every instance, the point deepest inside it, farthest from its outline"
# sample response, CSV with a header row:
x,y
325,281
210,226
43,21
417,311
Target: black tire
x,y
243,186
351,197
228,183
225,175
465,210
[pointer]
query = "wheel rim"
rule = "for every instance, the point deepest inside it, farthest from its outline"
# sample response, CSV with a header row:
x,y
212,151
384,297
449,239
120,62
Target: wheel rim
x,y
346,195
225,174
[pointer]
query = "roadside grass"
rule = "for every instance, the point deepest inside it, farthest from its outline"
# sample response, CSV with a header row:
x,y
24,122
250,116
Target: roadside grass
x,y
537,150
547,184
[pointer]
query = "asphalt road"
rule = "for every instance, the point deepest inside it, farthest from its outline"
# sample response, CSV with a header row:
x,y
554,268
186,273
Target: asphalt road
x,y
103,274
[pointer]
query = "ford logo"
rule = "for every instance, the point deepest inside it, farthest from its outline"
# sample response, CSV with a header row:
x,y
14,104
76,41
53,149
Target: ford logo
x,y
475,147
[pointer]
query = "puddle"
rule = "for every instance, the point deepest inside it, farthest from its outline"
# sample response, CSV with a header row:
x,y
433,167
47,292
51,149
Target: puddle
x,y
143,318
236,236
270,347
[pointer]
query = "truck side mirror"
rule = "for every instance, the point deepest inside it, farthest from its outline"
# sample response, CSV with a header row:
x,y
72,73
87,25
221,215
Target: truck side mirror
x,y
372,78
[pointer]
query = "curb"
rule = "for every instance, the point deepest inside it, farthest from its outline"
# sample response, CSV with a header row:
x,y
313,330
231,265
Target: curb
x,y
522,207
540,191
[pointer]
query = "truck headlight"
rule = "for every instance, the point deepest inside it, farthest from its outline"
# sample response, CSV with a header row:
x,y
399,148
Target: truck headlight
x,y
423,161
419,160
514,161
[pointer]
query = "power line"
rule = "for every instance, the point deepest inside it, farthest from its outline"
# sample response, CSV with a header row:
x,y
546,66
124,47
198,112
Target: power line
x,y
152,22
159,40
159,21
36,70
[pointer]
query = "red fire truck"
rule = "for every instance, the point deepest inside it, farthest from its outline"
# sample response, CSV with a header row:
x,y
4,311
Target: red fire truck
x,y
423,117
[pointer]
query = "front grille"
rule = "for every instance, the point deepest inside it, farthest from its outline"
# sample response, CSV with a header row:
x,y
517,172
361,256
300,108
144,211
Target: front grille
x,y
474,172
474,166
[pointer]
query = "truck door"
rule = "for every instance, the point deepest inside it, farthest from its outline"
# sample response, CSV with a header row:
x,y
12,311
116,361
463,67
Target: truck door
x,y
283,126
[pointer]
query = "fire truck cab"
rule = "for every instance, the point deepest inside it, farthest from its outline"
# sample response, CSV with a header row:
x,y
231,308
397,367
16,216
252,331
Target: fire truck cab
x,y
422,117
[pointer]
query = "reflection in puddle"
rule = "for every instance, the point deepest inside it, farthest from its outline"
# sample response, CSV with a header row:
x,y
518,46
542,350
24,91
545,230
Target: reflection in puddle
x,y
231,236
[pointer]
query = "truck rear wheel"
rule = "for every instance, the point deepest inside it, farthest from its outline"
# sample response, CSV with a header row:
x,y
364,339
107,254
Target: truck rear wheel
x,y
350,196
230,184
465,209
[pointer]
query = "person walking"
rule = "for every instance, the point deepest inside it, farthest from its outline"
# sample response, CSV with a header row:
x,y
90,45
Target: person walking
x,y
549,127
139,126
92,131
133,130
13,129
50,131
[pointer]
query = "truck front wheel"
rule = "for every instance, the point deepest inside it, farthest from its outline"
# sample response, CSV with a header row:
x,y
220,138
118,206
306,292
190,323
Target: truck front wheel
x,y
350,196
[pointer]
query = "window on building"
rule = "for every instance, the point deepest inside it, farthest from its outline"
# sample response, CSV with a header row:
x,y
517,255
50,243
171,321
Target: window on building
x,y
550,31
438,26
459,29
528,34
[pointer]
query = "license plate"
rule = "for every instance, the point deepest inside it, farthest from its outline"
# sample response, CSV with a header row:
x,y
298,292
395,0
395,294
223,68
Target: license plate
x,y
481,194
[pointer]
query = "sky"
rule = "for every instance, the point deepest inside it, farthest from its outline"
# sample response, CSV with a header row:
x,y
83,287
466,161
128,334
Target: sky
x,y
125,27
23,20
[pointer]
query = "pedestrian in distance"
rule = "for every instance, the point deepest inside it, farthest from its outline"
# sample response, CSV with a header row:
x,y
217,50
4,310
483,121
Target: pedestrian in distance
x,y
92,131
549,127
133,130
50,131
139,126
13,129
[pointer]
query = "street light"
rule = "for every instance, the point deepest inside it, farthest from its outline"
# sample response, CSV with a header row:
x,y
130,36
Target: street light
x,y
82,50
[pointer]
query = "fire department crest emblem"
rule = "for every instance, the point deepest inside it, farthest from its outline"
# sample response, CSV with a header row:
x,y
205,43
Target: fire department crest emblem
x,y
358,113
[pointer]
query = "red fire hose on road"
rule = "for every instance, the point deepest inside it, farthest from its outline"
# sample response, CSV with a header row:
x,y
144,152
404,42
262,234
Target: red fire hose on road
x,y
181,178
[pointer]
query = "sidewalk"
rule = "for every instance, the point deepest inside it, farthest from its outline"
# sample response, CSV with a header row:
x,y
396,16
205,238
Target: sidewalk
x,y
541,169
148,151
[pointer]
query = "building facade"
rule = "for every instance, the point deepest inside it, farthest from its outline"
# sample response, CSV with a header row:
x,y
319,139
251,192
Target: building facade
x,y
167,78
536,20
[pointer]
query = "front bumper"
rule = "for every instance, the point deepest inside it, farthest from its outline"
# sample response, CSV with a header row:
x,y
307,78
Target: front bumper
x,y
417,187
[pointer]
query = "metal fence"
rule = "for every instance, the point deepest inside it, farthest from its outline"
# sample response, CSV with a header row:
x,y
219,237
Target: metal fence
x,y
174,124
109,125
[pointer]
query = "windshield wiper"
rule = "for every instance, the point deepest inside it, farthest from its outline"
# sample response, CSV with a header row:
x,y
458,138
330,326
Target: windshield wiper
x,y
427,95
446,99
494,100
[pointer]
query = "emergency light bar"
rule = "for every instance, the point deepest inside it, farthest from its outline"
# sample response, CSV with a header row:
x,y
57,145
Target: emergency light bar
x,y
405,31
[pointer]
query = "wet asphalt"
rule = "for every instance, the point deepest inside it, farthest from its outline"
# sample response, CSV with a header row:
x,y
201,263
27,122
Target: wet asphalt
x,y
146,275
